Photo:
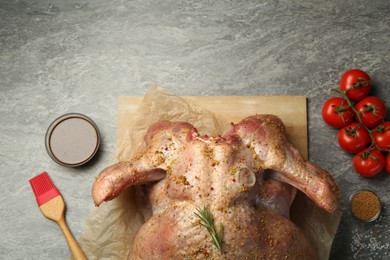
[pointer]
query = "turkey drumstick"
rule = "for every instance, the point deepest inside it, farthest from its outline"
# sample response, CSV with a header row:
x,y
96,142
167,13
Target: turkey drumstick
x,y
265,137
164,140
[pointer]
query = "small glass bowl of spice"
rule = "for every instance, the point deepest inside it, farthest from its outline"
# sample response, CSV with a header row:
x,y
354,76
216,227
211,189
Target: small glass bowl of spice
x,y
365,205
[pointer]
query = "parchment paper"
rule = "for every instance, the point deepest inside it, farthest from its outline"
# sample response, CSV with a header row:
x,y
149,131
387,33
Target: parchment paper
x,y
110,228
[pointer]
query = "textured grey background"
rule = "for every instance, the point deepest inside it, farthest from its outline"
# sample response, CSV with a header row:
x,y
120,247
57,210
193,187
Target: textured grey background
x,y
78,56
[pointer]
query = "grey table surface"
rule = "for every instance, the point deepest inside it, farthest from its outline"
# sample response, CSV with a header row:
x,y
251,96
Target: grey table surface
x,y
79,56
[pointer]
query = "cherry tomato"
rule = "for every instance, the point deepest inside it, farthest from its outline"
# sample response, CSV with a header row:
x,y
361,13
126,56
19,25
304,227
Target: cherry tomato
x,y
356,83
381,135
353,138
372,111
368,162
388,163
337,113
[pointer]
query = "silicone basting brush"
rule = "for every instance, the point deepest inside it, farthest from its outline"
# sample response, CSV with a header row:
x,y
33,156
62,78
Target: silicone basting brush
x,y
52,206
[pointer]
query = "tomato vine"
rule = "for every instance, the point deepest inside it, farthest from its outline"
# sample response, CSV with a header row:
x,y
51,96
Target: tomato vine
x,y
369,113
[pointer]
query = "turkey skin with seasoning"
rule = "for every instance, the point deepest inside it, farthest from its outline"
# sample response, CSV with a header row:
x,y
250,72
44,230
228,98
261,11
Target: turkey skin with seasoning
x,y
247,179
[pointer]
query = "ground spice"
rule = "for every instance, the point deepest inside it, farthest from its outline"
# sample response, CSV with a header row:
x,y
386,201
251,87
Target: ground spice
x,y
365,205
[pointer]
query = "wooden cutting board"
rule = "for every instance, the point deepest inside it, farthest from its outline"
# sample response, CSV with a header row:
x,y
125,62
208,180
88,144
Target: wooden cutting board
x,y
291,109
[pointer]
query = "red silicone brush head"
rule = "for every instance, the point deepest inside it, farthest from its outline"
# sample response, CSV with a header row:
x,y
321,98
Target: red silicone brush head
x,y
43,188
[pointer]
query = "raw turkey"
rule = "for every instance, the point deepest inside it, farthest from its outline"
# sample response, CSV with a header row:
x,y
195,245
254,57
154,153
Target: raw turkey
x,y
247,179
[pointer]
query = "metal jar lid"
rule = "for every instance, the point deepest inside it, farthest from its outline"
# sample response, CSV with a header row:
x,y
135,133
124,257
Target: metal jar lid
x,y
72,139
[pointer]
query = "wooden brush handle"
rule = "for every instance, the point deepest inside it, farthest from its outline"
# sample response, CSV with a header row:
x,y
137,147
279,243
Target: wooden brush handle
x,y
72,243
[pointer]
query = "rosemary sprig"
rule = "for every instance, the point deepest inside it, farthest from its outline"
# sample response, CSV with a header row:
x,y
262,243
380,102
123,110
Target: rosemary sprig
x,y
207,220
